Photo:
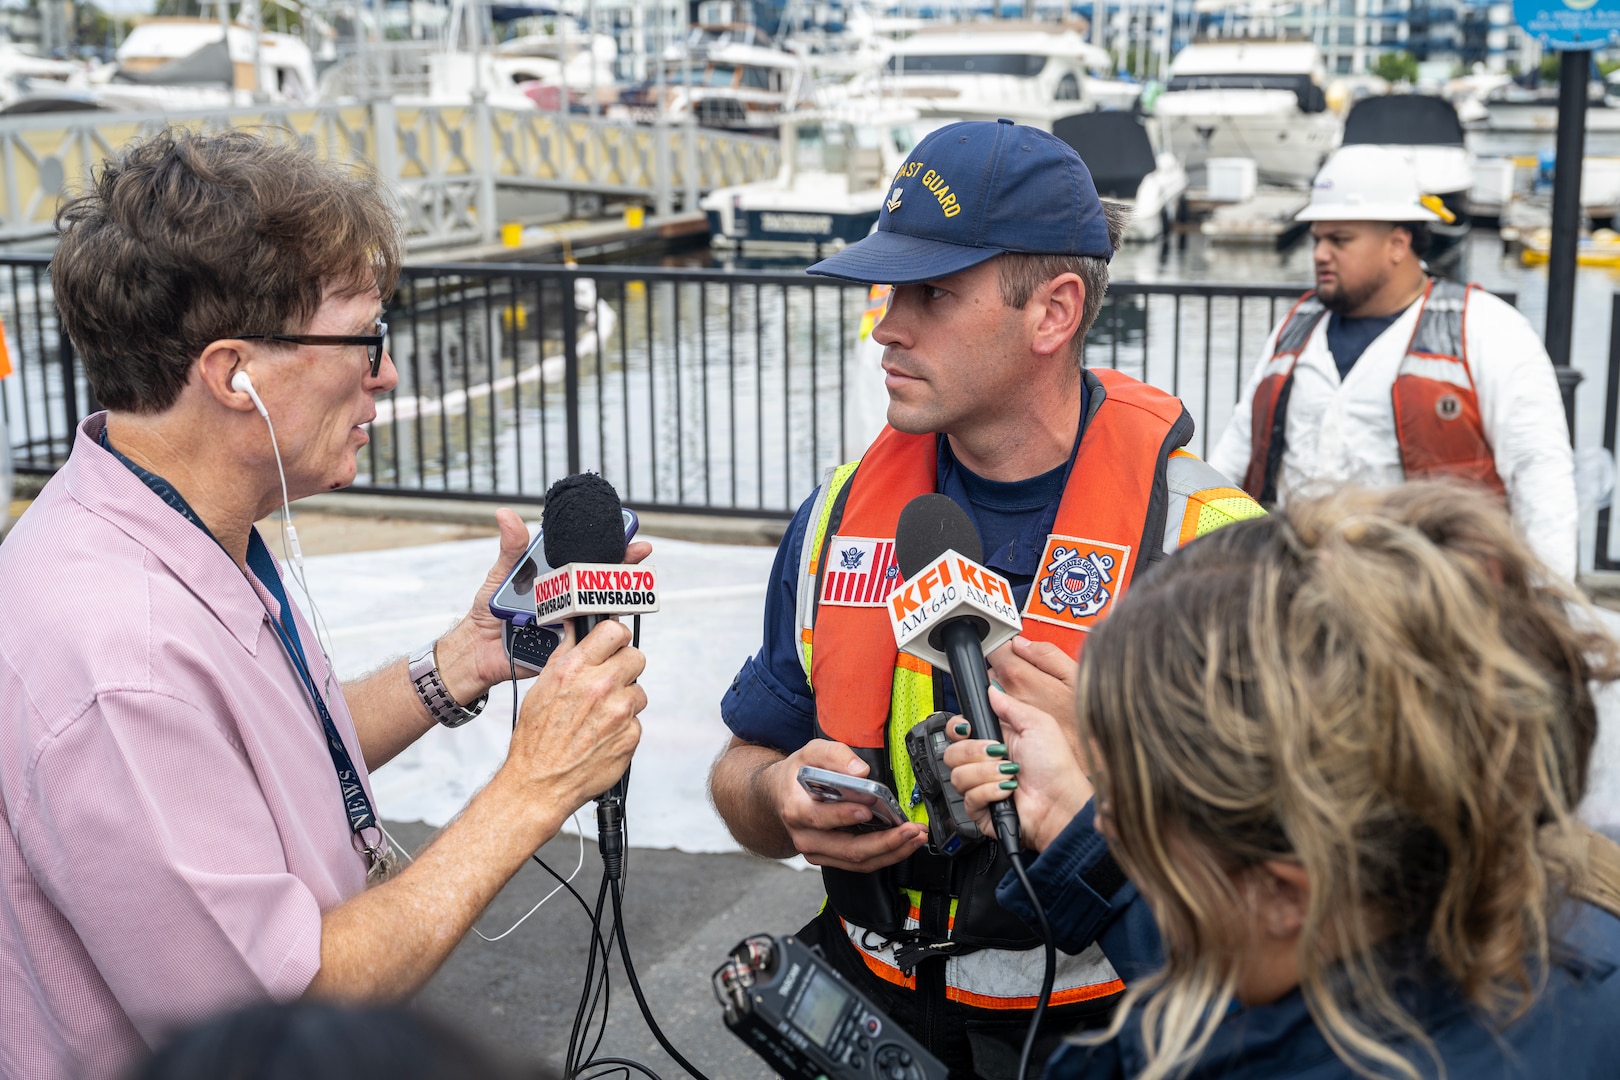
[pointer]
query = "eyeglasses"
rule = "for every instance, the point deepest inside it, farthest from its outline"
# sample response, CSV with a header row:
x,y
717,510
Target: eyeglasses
x,y
372,342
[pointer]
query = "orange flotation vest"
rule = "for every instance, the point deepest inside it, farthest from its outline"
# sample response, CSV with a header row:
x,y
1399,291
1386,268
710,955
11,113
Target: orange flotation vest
x,y
1110,521
1437,418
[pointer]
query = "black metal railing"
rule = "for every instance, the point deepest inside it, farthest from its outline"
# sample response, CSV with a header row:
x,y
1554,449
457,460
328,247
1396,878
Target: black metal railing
x,y
1601,557
707,391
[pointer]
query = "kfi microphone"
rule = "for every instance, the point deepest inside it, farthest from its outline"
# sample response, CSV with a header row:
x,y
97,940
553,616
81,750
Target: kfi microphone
x,y
583,534
950,611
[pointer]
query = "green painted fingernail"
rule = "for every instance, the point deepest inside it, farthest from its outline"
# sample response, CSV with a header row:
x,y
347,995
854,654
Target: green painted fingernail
x,y
963,727
996,749
1009,785
1008,767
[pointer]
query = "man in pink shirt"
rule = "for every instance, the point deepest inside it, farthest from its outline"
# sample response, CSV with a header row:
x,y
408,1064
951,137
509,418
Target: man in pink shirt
x,y
184,785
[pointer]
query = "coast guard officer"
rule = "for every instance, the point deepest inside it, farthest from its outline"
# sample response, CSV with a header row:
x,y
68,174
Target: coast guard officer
x,y
998,248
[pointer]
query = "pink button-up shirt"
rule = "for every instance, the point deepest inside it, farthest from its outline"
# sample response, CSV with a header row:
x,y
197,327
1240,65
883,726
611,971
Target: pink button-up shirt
x,y
173,827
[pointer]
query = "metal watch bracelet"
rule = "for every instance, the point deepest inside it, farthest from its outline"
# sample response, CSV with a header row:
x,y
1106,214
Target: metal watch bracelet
x,y
431,689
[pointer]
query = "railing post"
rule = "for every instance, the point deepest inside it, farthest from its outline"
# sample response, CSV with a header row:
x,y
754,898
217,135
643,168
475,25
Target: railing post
x,y
689,200
570,330
385,144
1611,405
662,203
484,144
70,388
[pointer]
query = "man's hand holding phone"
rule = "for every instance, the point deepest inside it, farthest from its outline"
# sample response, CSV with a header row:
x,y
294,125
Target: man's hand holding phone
x,y
817,827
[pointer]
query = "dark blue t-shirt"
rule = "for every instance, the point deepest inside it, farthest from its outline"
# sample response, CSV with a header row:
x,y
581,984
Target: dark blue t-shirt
x,y
769,702
1347,339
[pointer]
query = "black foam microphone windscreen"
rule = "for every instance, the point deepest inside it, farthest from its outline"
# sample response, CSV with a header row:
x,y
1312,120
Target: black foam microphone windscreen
x,y
931,525
583,522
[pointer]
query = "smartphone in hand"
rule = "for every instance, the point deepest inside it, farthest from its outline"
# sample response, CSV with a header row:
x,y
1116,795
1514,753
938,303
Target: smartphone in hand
x,y
824,785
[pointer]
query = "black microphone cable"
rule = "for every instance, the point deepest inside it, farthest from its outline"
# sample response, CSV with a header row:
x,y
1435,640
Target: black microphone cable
x,y
1048,977
594,990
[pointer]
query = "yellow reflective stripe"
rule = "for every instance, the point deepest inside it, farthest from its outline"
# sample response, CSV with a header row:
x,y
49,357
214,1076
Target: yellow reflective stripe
x,y
835,483
809,557
911,701
1211,510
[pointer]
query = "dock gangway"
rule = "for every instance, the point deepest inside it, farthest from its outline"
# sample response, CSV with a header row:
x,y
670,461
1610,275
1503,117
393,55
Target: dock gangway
x,y
444,163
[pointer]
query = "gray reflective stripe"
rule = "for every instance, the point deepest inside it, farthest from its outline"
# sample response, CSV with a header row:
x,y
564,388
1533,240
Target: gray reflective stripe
x,y
1429,367
1297,330
1440,325
1185,477
806,598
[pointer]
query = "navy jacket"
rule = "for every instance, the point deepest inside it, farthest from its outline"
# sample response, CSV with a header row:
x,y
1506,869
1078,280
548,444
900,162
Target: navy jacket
x,y
1572,1032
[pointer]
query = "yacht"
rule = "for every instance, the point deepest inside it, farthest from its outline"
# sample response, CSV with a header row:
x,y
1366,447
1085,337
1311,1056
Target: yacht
x,y
1425,131
1129,166
1524,123
552,63
1250,99
1033,73
184,63
734,86
836,164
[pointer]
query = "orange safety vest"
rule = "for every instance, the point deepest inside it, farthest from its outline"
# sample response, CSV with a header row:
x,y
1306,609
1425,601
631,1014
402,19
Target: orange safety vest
x,y
1437,418
1111,519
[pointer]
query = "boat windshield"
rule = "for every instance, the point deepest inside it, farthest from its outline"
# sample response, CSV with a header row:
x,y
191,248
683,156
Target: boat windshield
x,y
1403,120
853,149
1022,65
675,74
1311,98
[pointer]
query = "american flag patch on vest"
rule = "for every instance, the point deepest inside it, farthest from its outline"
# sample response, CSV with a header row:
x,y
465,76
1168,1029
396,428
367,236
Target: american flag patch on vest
x,y
860,572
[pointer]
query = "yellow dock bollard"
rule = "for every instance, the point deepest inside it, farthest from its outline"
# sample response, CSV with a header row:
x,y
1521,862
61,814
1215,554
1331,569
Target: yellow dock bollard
x,y
512,234
635,217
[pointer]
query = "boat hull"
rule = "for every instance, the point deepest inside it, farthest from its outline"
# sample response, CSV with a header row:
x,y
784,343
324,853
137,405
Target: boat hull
x,y
1288,146
788,229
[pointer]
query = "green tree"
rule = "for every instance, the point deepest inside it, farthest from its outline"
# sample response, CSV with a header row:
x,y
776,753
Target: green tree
x,y
1396,67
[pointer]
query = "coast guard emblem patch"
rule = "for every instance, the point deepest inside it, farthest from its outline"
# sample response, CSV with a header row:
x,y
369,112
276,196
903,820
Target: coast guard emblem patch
x,y
1079,579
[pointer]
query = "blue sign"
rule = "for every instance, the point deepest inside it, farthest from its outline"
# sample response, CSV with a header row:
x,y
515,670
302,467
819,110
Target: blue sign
x,y
1570,24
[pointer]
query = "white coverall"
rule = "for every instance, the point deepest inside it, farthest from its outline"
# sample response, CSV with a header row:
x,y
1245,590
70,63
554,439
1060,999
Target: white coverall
x,y
1344,432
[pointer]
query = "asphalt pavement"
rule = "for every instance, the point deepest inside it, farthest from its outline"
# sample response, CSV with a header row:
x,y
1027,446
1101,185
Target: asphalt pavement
x,y
682,914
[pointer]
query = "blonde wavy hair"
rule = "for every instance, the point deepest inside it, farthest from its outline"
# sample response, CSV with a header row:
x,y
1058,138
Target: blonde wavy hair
x,y
1382,686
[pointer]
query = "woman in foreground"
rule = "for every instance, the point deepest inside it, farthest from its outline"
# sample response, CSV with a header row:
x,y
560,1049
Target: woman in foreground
x,y
1336,751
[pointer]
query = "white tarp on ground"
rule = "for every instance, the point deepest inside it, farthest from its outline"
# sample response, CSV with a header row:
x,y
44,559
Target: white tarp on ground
x,y
379,605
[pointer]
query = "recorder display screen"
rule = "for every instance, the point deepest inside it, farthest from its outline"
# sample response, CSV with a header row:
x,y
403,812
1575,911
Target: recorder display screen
x,y
818,1008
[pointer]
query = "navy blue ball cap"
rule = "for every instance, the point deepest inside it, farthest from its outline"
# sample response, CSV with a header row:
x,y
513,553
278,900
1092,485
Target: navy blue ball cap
x,y
972,191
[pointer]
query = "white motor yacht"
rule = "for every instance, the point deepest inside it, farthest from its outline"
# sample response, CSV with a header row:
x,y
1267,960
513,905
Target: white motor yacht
x,y
1250,99
1524,123
1033,73
836,165
1426,132
733,86
184,63
1129,166
551,62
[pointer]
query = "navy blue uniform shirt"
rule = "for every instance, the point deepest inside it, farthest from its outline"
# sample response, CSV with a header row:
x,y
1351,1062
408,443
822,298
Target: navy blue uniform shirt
x,y
1347,339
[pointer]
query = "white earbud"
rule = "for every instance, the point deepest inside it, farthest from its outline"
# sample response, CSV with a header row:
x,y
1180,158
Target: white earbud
x,y
244,385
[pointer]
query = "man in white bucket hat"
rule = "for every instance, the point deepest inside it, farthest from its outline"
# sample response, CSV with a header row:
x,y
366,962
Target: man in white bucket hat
x,y
1384,373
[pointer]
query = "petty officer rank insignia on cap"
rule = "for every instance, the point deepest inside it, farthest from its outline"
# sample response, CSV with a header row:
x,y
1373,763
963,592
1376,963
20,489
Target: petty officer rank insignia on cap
x,y
1076,582
933,182
860,572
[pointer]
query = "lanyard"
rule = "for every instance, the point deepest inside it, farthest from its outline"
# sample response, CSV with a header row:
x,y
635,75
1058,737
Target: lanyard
x,y
355,801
